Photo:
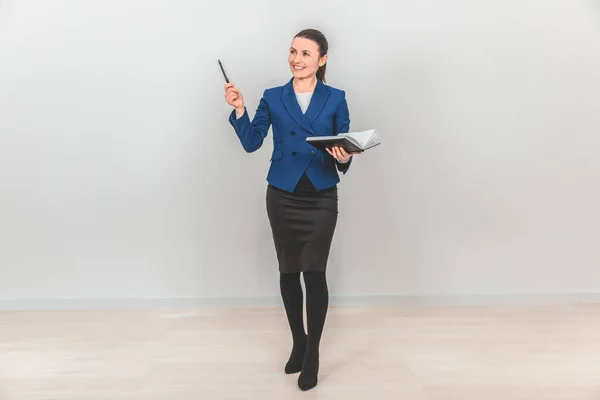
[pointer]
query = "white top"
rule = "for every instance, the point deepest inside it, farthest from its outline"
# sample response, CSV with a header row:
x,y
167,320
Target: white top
x,y
303,100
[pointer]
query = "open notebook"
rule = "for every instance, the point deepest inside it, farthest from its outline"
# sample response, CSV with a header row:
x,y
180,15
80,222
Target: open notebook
x,y
352,142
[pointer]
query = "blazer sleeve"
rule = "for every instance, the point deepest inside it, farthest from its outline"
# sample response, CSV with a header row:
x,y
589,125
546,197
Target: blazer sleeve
x,y
252,133
342,125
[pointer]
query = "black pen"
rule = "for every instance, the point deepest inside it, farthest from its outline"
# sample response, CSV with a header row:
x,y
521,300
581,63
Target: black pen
x,y
223,71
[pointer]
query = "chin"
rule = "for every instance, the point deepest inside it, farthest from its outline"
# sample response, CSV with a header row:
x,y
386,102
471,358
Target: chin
x,y
300,74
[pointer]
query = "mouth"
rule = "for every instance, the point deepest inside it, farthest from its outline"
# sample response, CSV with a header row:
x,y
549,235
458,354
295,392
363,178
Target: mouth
x,y
298,67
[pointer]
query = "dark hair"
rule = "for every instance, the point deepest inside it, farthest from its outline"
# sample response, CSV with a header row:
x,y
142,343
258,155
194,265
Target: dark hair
x,y
317,37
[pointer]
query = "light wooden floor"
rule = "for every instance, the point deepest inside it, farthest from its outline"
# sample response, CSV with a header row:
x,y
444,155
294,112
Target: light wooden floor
x,y
400,353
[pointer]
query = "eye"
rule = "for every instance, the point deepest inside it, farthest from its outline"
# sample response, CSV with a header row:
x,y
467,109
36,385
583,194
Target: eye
x,y
306,54
292,51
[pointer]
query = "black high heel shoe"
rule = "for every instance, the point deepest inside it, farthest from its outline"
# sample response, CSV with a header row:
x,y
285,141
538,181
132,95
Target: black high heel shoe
x,y
294,364
308,378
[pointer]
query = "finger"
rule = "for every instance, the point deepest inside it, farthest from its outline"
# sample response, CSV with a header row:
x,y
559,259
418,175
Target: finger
x,y
232,90
338,152
343,152
330,151
231,97
228,85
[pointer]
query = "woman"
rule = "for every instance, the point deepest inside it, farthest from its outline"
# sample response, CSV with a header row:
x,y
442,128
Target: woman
x,y
302,201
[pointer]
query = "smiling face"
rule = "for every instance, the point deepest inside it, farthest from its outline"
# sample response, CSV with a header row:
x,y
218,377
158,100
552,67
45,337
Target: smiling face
x,y
305,58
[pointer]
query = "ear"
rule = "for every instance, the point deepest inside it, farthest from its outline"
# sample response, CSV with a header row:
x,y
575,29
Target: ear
x,y
323,60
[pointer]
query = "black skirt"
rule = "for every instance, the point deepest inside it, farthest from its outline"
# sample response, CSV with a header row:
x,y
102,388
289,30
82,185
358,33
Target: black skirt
x,y
303,224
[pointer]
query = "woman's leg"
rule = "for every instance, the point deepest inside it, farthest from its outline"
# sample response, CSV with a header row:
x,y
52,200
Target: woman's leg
x,y
291,293
317,302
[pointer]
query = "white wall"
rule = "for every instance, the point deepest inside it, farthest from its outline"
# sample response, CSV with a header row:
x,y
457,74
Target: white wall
x,y
121,179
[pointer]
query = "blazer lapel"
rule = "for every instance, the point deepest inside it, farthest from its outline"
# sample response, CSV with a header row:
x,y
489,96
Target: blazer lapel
x,y
317,102
293,108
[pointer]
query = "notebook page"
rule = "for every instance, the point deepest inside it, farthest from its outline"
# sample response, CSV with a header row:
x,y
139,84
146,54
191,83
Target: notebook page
x,y
374,140
363,138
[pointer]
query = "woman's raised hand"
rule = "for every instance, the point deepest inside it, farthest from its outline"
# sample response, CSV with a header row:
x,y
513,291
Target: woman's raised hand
x,y
234,97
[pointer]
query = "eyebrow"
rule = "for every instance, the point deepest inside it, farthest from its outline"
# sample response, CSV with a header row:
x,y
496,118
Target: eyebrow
x,y
302,50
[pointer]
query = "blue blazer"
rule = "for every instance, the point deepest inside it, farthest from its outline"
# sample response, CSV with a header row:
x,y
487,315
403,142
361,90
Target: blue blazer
x,y
292,156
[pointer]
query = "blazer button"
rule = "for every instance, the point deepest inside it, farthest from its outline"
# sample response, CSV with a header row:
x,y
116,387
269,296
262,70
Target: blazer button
x,y
293,133
293,153
312,153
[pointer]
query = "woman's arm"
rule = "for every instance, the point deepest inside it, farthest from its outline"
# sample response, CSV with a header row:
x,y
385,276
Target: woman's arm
x,y
251,134
342,125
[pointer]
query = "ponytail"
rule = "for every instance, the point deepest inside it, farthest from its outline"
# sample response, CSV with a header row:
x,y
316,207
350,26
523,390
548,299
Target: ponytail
x,y
321,73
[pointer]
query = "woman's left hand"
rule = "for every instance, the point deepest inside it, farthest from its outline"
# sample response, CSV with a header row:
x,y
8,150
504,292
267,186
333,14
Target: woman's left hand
x,y
340,154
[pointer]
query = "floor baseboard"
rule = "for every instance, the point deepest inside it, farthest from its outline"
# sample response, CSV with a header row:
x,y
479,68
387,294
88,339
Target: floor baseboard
x,y
271,301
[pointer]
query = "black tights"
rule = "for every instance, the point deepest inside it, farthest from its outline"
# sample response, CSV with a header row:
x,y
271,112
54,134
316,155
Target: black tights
x,y
305,351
